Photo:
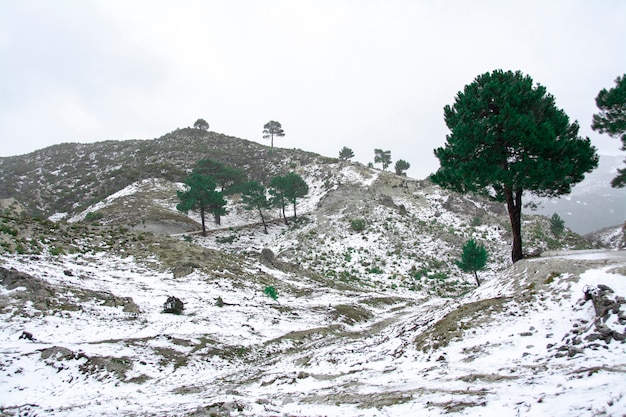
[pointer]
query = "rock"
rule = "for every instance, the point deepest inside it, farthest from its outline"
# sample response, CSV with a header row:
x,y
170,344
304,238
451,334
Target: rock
x,y
27,335
173,305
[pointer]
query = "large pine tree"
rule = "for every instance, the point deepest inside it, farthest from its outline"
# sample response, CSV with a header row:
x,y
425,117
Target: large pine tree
x,y
508,137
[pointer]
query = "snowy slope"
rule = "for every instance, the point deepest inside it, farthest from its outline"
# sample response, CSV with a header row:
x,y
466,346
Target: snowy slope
x,y
377,322
494,351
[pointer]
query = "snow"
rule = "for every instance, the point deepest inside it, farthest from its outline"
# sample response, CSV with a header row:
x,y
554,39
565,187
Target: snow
x,y
501,366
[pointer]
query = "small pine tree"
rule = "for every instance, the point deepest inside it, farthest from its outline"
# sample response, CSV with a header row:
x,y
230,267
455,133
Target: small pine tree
x,y
382,157
346,153
201,124
401,167
271,292
557,225
473,259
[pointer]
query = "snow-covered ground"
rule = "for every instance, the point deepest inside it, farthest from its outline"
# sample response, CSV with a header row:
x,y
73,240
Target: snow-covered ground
x,y
296,356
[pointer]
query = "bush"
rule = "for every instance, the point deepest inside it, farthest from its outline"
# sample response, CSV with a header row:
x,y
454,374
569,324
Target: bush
x,y
271,292
93,216
358,225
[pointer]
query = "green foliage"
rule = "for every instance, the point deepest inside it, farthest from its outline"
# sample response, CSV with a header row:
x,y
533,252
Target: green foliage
x,y
612,119
358,225
401,167
271,129
201,195
557,225
57,250
8,230
473,259
201,124
254,197
382,157
93,216
346,153
288,189
219,302
228,178
271,292
507,136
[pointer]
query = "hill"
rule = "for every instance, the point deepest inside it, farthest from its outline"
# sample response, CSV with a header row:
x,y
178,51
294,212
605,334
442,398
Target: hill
x,y
370,320
67,178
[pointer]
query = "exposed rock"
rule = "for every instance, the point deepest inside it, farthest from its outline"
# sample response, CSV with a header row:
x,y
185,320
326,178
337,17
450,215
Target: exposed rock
x,y
173,305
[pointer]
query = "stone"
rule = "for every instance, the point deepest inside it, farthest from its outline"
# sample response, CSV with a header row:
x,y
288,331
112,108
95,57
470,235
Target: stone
x,y
173,305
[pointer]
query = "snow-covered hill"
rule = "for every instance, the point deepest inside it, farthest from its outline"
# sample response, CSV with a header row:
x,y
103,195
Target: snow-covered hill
x,y
374,320
525,343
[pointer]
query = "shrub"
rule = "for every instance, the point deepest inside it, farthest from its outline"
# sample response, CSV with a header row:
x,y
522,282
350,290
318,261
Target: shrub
x,y
93,216
57,250
219,302
271,292
358,225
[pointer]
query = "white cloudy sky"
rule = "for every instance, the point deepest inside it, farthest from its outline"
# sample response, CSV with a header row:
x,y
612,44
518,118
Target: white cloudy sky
x,y
359,73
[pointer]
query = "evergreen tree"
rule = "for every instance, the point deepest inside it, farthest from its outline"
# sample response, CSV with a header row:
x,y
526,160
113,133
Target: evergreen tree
x,y
200,195
253,197
507,137
278,185
296,188
557,225
346,153
288,189
201,124
473,258
382,157
228,178
271,129
401,167
612,119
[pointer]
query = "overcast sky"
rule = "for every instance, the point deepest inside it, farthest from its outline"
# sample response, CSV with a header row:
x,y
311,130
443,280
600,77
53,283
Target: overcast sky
x,y
364,73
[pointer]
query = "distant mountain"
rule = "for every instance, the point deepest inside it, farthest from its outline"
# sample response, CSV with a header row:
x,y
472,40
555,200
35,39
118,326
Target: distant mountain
x,y
593,203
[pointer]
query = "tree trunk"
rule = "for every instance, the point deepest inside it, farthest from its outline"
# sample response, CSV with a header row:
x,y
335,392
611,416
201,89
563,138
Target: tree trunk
x,y
295,216
218,218
477,280
203,224
514,207
282,203
263,220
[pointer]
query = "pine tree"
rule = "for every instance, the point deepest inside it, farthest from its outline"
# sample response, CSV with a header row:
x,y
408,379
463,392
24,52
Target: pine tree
x,y
508,137
271,129
201,124
382,157
612,119
346,153
200,195
253,197
473,259
401,167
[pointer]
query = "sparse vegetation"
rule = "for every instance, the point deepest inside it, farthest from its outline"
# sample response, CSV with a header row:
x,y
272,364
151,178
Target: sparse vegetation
x,y
358,225
271,292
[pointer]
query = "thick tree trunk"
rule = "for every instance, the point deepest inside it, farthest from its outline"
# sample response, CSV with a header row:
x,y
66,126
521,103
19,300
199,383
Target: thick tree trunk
x,y
514,207
263,220
203,223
